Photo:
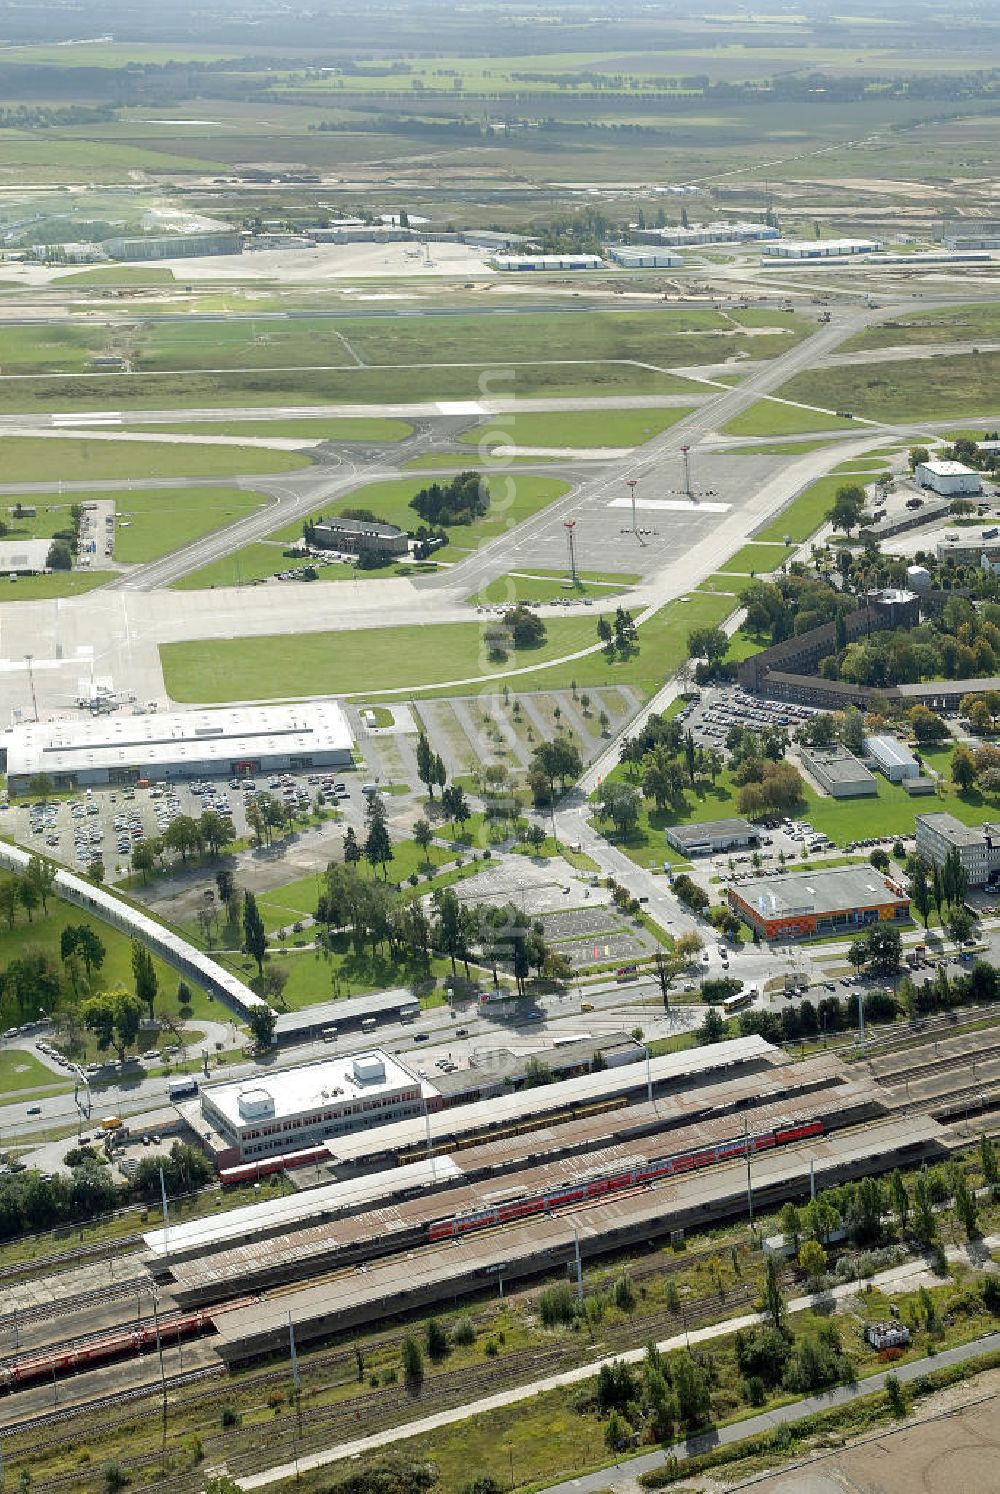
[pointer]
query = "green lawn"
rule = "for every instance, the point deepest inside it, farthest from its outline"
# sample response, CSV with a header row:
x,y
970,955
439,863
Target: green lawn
x,y
120,275
258,562
153,523
56,345
573,428
56,584
725,581
45,929
758,558
314,428
422,658
940,388
769,417
37,459
778,448
805,514
20,1069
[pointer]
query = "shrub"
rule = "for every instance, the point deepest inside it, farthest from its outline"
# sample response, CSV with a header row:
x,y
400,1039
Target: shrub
x,y
230,1417
437,1339
557,1305
463,1331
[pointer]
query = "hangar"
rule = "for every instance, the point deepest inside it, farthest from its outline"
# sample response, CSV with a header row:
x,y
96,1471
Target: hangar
x,y
124,749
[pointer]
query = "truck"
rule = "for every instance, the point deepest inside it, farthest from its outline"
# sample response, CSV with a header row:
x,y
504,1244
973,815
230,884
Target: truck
x,y
182,1088
369,1024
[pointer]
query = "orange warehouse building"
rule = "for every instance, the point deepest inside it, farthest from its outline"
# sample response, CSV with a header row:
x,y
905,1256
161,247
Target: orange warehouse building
x,y
804,905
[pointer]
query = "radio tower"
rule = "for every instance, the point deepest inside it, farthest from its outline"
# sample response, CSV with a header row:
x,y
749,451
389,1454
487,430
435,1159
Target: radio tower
x,y
632,483
570,527
686,453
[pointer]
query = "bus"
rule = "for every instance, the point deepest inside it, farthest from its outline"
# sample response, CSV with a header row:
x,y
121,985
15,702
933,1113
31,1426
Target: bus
x,y
409,1013
734,1004
111,1123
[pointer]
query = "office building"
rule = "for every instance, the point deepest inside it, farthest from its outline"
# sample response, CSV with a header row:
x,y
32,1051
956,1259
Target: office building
x,y
950,479
713,837
977,846
838,771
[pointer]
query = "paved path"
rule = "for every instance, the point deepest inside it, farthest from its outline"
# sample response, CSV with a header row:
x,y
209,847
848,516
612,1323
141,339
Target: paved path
x,y
392,1436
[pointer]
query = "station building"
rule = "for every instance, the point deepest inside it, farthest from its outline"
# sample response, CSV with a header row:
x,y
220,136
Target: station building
x,y
296,1108
804,905
120,749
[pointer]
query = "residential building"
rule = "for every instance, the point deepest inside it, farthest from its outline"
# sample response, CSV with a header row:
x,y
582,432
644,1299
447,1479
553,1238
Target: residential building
x,y
951,479
838,771
977,846
712,837
290,1109
895,761
803,905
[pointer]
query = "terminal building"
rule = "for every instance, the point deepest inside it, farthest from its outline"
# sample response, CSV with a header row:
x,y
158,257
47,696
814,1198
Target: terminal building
x,y
293,1109
977,846
705,233
804,905
184,744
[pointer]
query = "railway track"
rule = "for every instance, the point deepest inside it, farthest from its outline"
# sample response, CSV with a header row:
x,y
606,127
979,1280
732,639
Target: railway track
x,y
318,1426
48,1265
938,1064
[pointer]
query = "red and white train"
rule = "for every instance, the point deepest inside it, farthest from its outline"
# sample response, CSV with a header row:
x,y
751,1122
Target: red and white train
x,y
594,1188
249,1172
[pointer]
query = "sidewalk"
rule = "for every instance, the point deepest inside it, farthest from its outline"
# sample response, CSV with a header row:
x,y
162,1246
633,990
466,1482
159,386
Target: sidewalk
x,y
392,1436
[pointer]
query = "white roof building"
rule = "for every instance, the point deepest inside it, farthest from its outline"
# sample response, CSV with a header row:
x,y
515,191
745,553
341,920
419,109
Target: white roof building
x,y
122,749
294,1108
819,248
509,262
948,478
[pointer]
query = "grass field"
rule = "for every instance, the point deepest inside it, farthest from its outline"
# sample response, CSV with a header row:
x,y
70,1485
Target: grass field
x,y
36,459
20,1069
769,417
153,523
260,561
757,558
44,931
423,659
57,345
573,428
941,324
803,516
310,428
344,386
120,275
778,448
941,388
55,584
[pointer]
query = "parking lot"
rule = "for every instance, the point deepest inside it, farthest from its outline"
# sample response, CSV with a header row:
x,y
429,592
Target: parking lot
x,y
106,824
715,712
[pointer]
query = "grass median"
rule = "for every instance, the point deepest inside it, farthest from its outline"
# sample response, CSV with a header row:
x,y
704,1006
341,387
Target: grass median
x,y
79,459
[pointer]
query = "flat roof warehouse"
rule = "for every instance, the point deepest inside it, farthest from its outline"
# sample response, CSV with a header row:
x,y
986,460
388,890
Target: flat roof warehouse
x,y
108,749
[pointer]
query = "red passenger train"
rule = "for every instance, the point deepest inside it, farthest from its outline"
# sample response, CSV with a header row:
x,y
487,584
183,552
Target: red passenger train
x,y
593,1188
249,1172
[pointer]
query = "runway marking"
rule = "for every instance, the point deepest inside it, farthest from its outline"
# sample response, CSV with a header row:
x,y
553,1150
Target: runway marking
x,y
461,407
110,417
673,505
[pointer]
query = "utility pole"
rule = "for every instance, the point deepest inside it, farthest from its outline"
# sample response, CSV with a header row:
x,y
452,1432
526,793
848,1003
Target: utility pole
x,y
746,1144
579,1262
295,1391
166,1218
686,453
570,527
163,1373
632,483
